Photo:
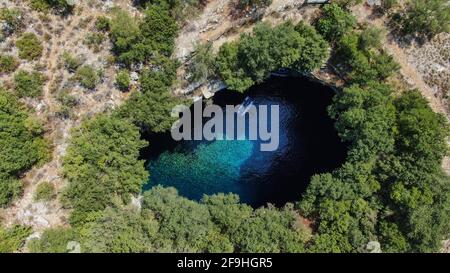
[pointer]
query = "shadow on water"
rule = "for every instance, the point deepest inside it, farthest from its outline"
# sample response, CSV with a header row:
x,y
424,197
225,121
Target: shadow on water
x,y
308,145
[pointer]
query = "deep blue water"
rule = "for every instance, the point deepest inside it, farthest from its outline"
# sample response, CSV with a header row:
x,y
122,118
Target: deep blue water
x,y
308,145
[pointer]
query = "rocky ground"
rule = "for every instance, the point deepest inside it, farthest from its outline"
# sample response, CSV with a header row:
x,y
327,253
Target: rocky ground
x,y
60,34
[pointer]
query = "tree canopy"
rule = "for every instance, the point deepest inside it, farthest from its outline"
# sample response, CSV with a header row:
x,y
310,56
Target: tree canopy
x,y
251,59
392,188
139,41
22,145
102,164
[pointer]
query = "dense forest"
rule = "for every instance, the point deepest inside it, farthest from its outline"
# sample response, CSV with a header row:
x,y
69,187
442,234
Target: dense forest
x,y
391,189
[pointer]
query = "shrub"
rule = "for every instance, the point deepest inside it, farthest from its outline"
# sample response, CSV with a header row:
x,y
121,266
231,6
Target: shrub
x,y
71,63
360,59
8,63
29,46
103,23
202,64
141,42
60,6
45,191
315,51
22,145
10,188
87,76
12,19
123,80
67,102
386,5
180,10
94,40
424,19
334,22
12,239
52,241
28,84
150,108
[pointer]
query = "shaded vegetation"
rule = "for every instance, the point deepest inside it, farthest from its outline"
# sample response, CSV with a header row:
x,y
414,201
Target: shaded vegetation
x,y
22,145
202,65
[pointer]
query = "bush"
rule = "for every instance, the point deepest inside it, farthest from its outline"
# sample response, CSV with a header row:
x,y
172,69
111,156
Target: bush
x,y
52,241
67,101
94,40
386,5
71,63
202,64
103,23
22,145
10,188
180,10
29,46
12,19
12,239
87,76
141,42
360,58
45,191
121,231
150,108
28,84
334,22
60,6
123,80
315,51
8,63
26,147
424,19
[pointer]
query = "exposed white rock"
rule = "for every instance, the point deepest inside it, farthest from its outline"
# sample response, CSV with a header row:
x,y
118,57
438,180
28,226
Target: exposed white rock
x,y
136,201
373,247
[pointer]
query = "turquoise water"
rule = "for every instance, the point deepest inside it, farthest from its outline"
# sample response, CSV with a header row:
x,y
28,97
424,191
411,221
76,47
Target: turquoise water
x,y
308,145
209,168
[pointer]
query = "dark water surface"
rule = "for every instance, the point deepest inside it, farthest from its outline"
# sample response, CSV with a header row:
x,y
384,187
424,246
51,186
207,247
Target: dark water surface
x,y
308,145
